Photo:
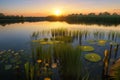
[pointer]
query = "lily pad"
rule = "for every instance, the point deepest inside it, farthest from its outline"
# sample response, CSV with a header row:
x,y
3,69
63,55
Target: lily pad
x,y
102,42
7,67
93,57
86,48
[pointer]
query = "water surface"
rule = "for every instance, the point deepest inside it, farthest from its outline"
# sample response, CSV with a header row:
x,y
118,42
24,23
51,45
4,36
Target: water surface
x,y
17,36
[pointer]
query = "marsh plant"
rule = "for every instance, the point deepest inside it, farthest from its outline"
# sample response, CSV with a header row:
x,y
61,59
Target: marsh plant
x,y
62,61
57,50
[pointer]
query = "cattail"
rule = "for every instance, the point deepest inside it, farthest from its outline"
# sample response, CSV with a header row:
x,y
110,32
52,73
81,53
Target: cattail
x,y
106,53
106,62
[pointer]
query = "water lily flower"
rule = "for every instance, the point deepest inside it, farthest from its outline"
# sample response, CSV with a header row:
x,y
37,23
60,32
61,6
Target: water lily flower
x,y
39,61
54,65
46,64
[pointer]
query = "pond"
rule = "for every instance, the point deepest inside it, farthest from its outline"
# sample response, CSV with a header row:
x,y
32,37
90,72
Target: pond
x,y
19,48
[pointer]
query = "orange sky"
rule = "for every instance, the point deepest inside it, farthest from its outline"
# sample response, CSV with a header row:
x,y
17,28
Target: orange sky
x,y
48,7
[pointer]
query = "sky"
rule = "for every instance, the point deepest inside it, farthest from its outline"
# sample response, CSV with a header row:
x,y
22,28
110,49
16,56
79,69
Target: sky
x,y
48,7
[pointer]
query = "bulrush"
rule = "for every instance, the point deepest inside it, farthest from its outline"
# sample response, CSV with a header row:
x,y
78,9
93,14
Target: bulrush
x,y
106,53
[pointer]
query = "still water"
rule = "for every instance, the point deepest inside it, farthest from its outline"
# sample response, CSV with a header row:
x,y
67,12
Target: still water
x,y
17,36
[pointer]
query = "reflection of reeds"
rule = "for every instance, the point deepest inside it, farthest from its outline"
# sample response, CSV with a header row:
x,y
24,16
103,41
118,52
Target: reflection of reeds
x,y
78,34
35,35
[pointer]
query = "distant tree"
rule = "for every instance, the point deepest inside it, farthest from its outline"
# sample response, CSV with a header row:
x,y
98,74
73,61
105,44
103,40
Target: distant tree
x,y
80,14
91,14
100,14
1,14
21,16
72,14
106,13
115,14
76,14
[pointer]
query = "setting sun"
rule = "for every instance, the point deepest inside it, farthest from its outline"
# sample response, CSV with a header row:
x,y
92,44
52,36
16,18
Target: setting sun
x,y
57,12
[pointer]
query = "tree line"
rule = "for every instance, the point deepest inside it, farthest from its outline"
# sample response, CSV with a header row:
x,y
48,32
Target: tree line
x,y
104,18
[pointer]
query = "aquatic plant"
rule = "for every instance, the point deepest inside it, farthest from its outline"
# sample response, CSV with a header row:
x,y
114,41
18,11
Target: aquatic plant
x,y
115,70
106,62
93,57
35,35
86,48
102,42
27,66
31,72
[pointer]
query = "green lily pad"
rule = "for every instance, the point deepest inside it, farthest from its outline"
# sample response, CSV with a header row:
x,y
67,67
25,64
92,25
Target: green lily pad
x,y
7,67
102,42
86,48
93,57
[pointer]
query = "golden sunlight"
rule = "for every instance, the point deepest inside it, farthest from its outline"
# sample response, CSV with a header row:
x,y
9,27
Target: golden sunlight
x,y
57,12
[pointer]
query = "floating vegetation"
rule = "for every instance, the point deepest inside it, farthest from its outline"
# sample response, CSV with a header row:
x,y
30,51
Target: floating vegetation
x,y
12,61
93,57
57,53
86,48
102,42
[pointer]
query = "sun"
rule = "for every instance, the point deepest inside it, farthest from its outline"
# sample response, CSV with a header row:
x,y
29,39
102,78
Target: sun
x,y
57,12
